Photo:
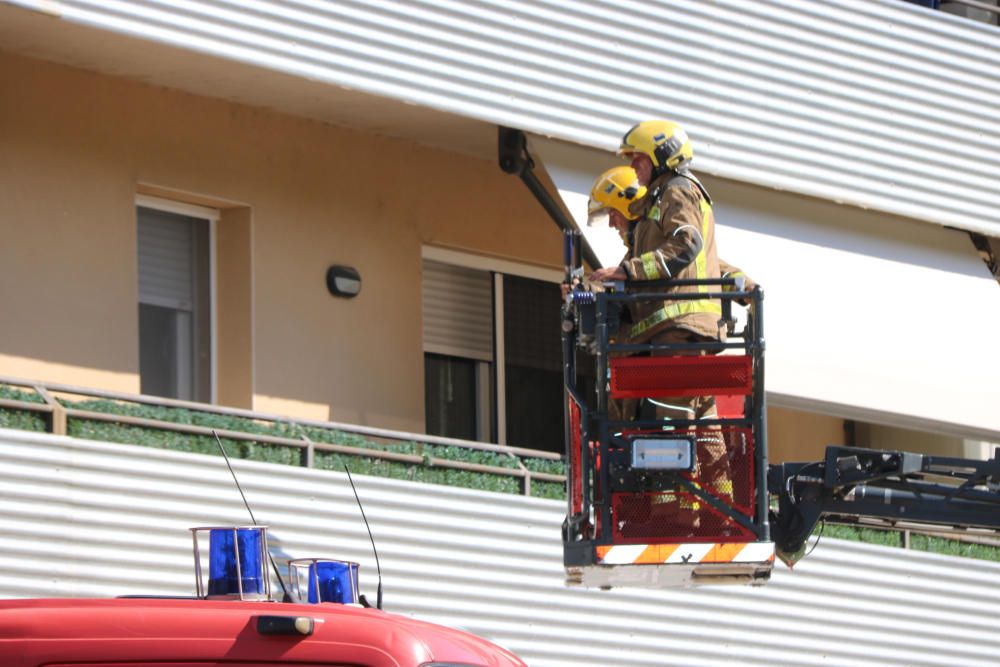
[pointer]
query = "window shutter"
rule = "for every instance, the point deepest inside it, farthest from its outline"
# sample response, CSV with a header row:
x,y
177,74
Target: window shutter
x,y
458,311
165,257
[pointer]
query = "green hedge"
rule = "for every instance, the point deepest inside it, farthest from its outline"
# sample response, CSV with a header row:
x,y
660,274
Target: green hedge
x,y
290,455
30,396
24,420
892,538
259,451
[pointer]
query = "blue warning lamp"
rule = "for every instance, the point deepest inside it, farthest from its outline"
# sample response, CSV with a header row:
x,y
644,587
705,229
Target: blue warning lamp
x,y
324,580
237,563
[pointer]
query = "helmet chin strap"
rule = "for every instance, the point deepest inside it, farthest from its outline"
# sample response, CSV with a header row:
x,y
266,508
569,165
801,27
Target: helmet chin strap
x,y
682,170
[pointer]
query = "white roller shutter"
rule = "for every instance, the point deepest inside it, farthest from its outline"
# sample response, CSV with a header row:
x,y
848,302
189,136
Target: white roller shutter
x,y
458,311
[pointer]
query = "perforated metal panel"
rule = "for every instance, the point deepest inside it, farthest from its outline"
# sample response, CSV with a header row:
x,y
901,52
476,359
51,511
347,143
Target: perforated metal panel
x,y
90,519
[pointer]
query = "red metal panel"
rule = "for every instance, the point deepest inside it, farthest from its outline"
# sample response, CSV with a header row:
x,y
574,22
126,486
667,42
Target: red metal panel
x,y
575,470
637,377
729,407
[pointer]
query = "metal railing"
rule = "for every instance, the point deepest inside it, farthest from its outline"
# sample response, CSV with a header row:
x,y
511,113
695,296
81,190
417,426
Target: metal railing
x,y
907,529
976,4
58,414
973,4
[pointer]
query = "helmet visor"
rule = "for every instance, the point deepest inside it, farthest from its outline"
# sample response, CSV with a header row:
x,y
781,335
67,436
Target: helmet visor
x,y
599,219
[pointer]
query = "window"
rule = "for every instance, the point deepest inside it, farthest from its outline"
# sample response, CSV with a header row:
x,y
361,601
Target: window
x,y
458,351
533,363
450,387
175,305
492,355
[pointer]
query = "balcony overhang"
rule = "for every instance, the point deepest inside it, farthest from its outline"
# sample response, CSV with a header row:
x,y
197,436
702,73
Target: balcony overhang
x,y
46,36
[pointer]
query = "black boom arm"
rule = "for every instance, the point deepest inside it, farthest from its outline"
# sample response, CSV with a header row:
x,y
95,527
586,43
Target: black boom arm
x,y
896,486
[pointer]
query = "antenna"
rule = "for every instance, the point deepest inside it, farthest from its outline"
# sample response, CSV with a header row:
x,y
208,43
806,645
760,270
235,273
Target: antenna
x,y
378,595
285,596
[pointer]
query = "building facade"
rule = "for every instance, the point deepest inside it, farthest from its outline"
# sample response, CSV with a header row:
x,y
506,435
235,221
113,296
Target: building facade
x,y
180,176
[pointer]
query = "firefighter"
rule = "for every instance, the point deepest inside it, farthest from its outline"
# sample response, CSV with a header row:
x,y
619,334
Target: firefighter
x,y
669,230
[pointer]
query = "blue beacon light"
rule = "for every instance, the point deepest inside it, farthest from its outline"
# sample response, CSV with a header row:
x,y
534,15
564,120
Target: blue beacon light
x,y
237,558
328,580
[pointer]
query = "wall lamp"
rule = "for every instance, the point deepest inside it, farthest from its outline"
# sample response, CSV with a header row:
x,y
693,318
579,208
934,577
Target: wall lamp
x,y
343,281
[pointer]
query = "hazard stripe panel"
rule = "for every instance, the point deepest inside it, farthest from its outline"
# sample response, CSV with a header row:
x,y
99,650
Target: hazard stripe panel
x,y
699,552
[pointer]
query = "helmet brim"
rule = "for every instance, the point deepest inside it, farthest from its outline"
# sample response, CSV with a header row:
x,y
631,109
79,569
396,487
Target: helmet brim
x,y
599,218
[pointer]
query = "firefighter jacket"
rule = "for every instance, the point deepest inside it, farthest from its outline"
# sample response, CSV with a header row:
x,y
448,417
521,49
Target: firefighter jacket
x,y
674,237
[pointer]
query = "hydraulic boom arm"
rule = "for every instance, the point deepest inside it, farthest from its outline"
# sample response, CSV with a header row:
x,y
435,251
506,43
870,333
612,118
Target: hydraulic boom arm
x,y
895,486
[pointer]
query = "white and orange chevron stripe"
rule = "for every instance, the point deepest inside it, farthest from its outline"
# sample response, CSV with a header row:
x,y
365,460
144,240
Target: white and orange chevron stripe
x,y
697,552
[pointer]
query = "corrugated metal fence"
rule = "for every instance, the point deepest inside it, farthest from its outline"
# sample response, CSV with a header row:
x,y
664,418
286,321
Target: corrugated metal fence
x,y
81,518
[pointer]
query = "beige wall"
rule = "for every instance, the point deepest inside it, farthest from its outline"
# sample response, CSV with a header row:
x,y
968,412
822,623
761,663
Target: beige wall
x,y
296,196
77,145
801,436
234,313
877,436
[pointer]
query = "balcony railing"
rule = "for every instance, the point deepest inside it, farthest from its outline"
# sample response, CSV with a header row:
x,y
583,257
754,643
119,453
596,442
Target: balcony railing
x,y
53,403
972,4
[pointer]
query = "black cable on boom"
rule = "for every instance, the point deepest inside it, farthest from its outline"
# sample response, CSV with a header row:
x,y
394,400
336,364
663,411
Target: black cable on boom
x,y
285,596
378,594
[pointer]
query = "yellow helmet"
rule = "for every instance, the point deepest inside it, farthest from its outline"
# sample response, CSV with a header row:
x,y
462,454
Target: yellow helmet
x,y
616,188
666,144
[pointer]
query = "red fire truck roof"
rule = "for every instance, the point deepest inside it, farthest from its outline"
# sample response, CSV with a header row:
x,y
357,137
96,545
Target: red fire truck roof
x,y
186,632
